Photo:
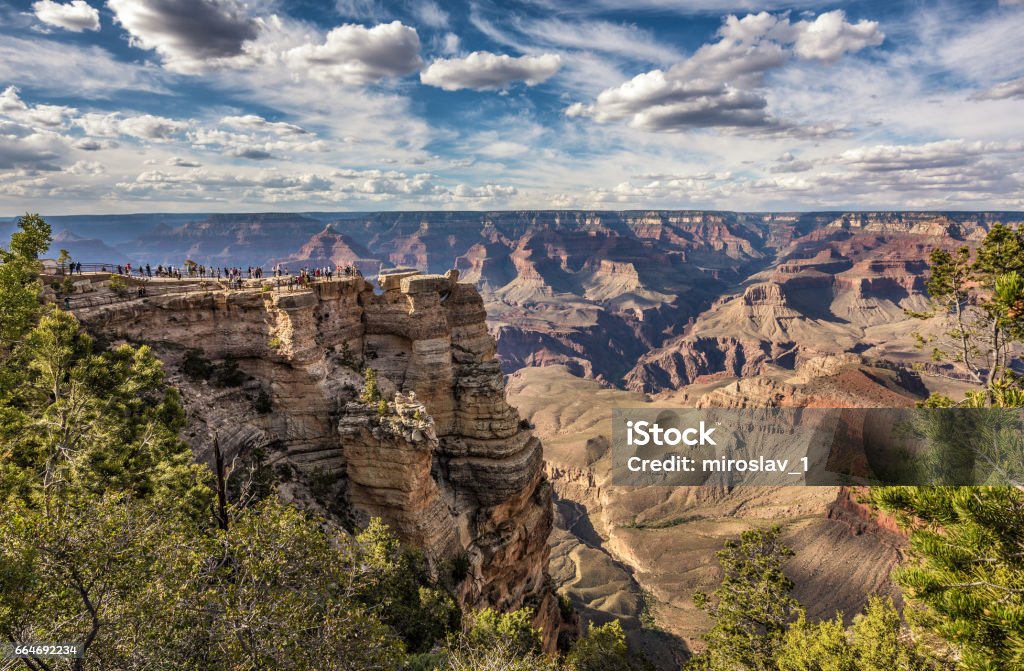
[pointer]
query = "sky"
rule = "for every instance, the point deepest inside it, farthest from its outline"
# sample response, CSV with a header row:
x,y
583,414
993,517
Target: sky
x,y
330,105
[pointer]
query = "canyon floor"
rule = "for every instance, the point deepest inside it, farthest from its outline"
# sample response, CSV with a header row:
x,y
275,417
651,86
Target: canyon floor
x,y
638,554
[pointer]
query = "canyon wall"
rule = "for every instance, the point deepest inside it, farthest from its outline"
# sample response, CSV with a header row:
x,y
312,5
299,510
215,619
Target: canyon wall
x,y
444,460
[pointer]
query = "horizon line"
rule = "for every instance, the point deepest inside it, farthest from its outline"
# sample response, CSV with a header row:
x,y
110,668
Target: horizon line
x,y
15,217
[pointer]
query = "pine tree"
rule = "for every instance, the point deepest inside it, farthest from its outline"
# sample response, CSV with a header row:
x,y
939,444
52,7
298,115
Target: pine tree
x,y
983,299
752,606
967,573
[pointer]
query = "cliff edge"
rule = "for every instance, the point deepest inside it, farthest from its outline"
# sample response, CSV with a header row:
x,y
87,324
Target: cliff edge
x,y
444,459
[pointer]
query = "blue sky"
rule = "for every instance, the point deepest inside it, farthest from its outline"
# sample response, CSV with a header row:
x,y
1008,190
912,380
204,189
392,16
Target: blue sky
x,y
223,105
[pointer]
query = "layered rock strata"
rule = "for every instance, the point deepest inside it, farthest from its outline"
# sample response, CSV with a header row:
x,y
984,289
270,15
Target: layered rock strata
x,y
444,460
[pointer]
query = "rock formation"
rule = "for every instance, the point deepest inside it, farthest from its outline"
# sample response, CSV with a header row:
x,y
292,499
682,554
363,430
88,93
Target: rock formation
x,y
442,458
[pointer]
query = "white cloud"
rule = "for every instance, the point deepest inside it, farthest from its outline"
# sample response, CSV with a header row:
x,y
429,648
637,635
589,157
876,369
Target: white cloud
x,y
720,85
179,162
63,68
51,116
450,44
601,36
943,154
142,126
353,54
482,70
1003,91
430,14
258,123
484,191
87,168
189,35
75,16
830,37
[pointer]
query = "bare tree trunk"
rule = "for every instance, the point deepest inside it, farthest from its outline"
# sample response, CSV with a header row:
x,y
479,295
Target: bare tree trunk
x,y
222,486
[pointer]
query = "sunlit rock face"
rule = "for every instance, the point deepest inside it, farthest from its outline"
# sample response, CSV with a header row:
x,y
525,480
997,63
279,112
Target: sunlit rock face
x,y
447,462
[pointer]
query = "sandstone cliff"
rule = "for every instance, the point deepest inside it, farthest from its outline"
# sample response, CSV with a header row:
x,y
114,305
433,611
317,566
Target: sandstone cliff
x,y
446,461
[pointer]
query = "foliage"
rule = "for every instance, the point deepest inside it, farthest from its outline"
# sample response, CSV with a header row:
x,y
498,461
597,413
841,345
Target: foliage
x,y
967,544
371,391
87,421
751,607
968,567
875,642
603,648
227,374
195,366
488,628
263,404
983,301
118,285
19,286
398,581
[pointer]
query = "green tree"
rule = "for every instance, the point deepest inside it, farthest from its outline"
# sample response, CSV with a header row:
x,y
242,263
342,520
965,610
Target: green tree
x,y
397,580
752,606
821,646
371,390
287,597
87,421
493,641
603,648
875,642
967,573
983,299
19,280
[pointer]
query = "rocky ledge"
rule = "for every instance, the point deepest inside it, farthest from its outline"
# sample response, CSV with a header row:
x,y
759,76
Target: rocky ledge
x,y
442,457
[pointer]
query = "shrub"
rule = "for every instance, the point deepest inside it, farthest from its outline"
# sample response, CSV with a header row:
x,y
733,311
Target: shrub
x,y
371,391
227,374
195,366
118,285
263,403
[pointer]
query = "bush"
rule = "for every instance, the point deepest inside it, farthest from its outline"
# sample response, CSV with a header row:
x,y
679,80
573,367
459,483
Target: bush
x,y
118,285
227,374
195,366
263,403
371,391
602,649
275,343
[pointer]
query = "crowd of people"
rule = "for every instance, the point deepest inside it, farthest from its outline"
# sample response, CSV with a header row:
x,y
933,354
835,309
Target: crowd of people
x,y
234,274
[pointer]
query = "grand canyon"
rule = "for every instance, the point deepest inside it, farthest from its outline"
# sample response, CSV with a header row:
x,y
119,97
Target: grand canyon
x,y
566,314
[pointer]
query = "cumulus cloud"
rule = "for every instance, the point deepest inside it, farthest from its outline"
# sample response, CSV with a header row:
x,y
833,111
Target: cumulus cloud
x,y
14,107
187,33
943,154
482,70
87,168
251,153
484,191
829,36
75,16
23,147
720,84
142,127
353,54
